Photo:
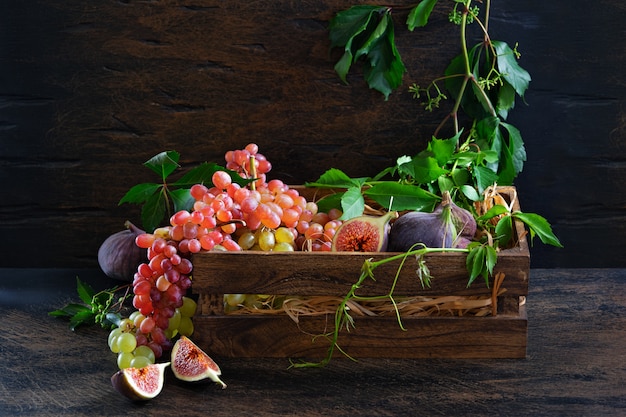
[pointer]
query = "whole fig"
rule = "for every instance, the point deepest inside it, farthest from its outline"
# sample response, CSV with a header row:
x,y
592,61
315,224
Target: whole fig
x,y
445,227
464,220
363,234
119,256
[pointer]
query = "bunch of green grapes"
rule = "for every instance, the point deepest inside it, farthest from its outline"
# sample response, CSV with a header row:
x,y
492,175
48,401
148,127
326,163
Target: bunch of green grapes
x,y
128,339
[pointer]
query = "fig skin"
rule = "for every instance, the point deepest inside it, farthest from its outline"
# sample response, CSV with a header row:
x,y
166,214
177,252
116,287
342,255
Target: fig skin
x,y
464,221
119,256
447,226
364,234
419,227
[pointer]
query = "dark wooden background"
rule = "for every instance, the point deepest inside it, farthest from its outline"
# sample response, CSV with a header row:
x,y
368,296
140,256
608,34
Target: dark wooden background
x,y
90,90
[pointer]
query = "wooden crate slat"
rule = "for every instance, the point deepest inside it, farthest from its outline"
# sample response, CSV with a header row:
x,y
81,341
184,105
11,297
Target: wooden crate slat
x,y
433,337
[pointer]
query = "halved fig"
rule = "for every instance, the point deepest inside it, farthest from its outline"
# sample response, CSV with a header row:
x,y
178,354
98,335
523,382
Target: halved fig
x,y
140,384
363,234
190,363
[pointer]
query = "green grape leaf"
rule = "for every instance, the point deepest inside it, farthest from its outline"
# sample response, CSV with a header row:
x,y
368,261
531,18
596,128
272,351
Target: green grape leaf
x,y
484,177
330,201
386,68
515,75
443,149
352,203
418,17
164,163
516,144
153,211
504,229
494,211
202,174
426,169
335,178
538,226
395,196
475,263
374,36
182,199
85,292
470,192
346,27
69,310
86,317
506,99
140,193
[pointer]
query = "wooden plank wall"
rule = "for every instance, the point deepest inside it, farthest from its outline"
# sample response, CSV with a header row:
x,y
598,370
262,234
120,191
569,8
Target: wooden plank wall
x,y
90,90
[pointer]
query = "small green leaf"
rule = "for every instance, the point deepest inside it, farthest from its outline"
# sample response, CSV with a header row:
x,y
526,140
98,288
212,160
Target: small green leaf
x,y
506,99
515,75
352,203
538,226
504,229
69,310
516,145
484,177
491,258
402,197
443,149
86,317
470,192
494,211
418,17
85,292
163,163
140,193
475,262
330,201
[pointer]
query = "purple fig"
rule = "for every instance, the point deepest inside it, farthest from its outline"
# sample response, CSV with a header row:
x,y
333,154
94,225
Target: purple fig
x,y
446,227
119,256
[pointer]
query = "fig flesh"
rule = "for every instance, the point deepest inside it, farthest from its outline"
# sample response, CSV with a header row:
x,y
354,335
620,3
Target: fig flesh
x,y
140,384
190,363
119,256
447,226
363,234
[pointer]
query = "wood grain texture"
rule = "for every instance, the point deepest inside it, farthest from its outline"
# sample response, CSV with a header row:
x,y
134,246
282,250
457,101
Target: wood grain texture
x,y
90,91
574,364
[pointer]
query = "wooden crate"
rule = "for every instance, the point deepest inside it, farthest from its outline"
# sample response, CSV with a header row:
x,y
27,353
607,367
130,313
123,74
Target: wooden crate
x,y
324,273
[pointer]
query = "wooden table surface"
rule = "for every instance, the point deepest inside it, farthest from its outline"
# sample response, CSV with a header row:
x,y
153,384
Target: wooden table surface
x,y
576,363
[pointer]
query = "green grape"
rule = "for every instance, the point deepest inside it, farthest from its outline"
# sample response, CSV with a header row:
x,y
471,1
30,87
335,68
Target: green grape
x,y
246,240
126,342
146,352
186,326
234,300
174,320
283,235
283,247
266,240
124,359
188,309
113,335
140,362
134,315
126,325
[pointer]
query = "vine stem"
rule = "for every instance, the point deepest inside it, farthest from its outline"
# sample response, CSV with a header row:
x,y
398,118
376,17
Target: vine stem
x,y
343,318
